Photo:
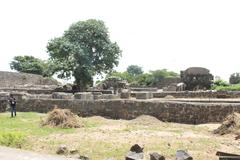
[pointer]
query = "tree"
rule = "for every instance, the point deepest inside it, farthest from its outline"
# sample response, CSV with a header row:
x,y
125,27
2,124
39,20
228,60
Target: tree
x,y
30,64
234,78
134,70
159,75
83,51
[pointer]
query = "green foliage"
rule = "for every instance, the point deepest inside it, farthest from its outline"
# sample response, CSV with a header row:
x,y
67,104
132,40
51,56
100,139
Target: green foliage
x,y
234,78
12,139
144,79
30,64
235,87
83,51
159,75
121,75
134,70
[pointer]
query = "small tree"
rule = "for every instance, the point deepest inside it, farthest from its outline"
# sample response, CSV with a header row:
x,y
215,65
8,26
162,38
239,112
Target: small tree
x,y
134,70
30,64
83,51
234,78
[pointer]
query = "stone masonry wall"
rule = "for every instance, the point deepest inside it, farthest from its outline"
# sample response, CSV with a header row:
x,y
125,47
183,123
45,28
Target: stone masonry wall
x,y
198,94
180,112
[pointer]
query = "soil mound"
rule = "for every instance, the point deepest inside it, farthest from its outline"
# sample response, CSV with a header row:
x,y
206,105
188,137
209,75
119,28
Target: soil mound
x,y
145,120
63,118
231,124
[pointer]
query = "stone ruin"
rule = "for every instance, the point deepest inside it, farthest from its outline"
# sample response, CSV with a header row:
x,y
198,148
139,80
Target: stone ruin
x,y
196,78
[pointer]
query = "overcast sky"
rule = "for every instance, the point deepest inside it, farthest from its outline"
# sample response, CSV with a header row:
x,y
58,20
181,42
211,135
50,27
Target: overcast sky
x,y
171,34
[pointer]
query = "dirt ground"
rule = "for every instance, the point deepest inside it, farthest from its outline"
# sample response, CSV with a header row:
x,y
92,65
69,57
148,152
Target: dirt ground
x,y
105,138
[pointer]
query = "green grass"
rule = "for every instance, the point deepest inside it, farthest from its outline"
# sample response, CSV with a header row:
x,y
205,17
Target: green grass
x,y
28,123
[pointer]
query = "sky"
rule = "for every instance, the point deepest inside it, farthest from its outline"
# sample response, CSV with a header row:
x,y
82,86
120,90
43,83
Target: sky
x,y
154,34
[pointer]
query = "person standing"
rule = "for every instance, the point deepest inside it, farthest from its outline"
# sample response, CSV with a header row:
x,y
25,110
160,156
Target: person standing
x,y
13,103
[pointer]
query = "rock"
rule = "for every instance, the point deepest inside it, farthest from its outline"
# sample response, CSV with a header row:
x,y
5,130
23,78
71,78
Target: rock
x,y
62,149
83,95
61,95
134,156
136,148
110,96
83,158
125,94
156,156
144,95
73,151
183,155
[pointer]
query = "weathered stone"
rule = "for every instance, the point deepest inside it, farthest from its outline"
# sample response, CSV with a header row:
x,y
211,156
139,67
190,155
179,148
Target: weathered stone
x,y
62,149
125,94
4,95
83,95
156,156
183,155
61,95
144,95
97,95
134,156
136,148
73,151
83,158
110,96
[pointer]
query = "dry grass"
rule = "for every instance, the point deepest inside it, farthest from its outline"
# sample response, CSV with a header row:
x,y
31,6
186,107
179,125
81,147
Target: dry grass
x,y
102,138
63,118
231,124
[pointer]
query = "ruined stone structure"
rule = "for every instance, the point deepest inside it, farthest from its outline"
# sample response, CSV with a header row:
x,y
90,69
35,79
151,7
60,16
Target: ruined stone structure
x,y
197,78
115,83
193,111
14,79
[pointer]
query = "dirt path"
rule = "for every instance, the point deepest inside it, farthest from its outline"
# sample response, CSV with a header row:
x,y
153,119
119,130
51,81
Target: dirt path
x,y
17,154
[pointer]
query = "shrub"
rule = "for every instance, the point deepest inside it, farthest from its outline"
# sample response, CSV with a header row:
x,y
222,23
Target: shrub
x,y
12,139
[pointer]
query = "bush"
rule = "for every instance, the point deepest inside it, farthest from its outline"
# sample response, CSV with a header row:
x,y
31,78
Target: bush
x,y
12,139
228,88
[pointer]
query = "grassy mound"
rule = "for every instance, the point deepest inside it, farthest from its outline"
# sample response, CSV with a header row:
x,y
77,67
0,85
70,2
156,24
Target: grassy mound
x,y
231,124
63,118
145,120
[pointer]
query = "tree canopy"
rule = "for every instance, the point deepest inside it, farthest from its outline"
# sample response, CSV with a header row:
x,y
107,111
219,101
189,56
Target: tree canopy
x,y
234,78
83,51
30,64
134,70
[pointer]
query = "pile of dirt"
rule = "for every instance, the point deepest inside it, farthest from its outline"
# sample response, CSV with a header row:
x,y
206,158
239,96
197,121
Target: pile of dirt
x,y
231,124
145,120
63,118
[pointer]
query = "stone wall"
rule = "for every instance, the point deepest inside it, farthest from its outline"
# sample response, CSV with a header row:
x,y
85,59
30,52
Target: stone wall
x,y
180,112
10,79
198,94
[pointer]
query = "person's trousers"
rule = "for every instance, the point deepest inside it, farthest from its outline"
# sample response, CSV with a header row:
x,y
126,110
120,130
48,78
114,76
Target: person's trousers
x,y
13,111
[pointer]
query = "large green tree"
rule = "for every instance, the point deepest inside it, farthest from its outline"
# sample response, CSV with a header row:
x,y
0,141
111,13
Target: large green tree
x,y
30,64
83,51
134,70
234,78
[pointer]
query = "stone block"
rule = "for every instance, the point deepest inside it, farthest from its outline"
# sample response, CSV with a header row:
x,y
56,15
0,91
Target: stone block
x,y
83,95
125,94
134,156
61,95
4,95
144,95
156,156
183,155
110,96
